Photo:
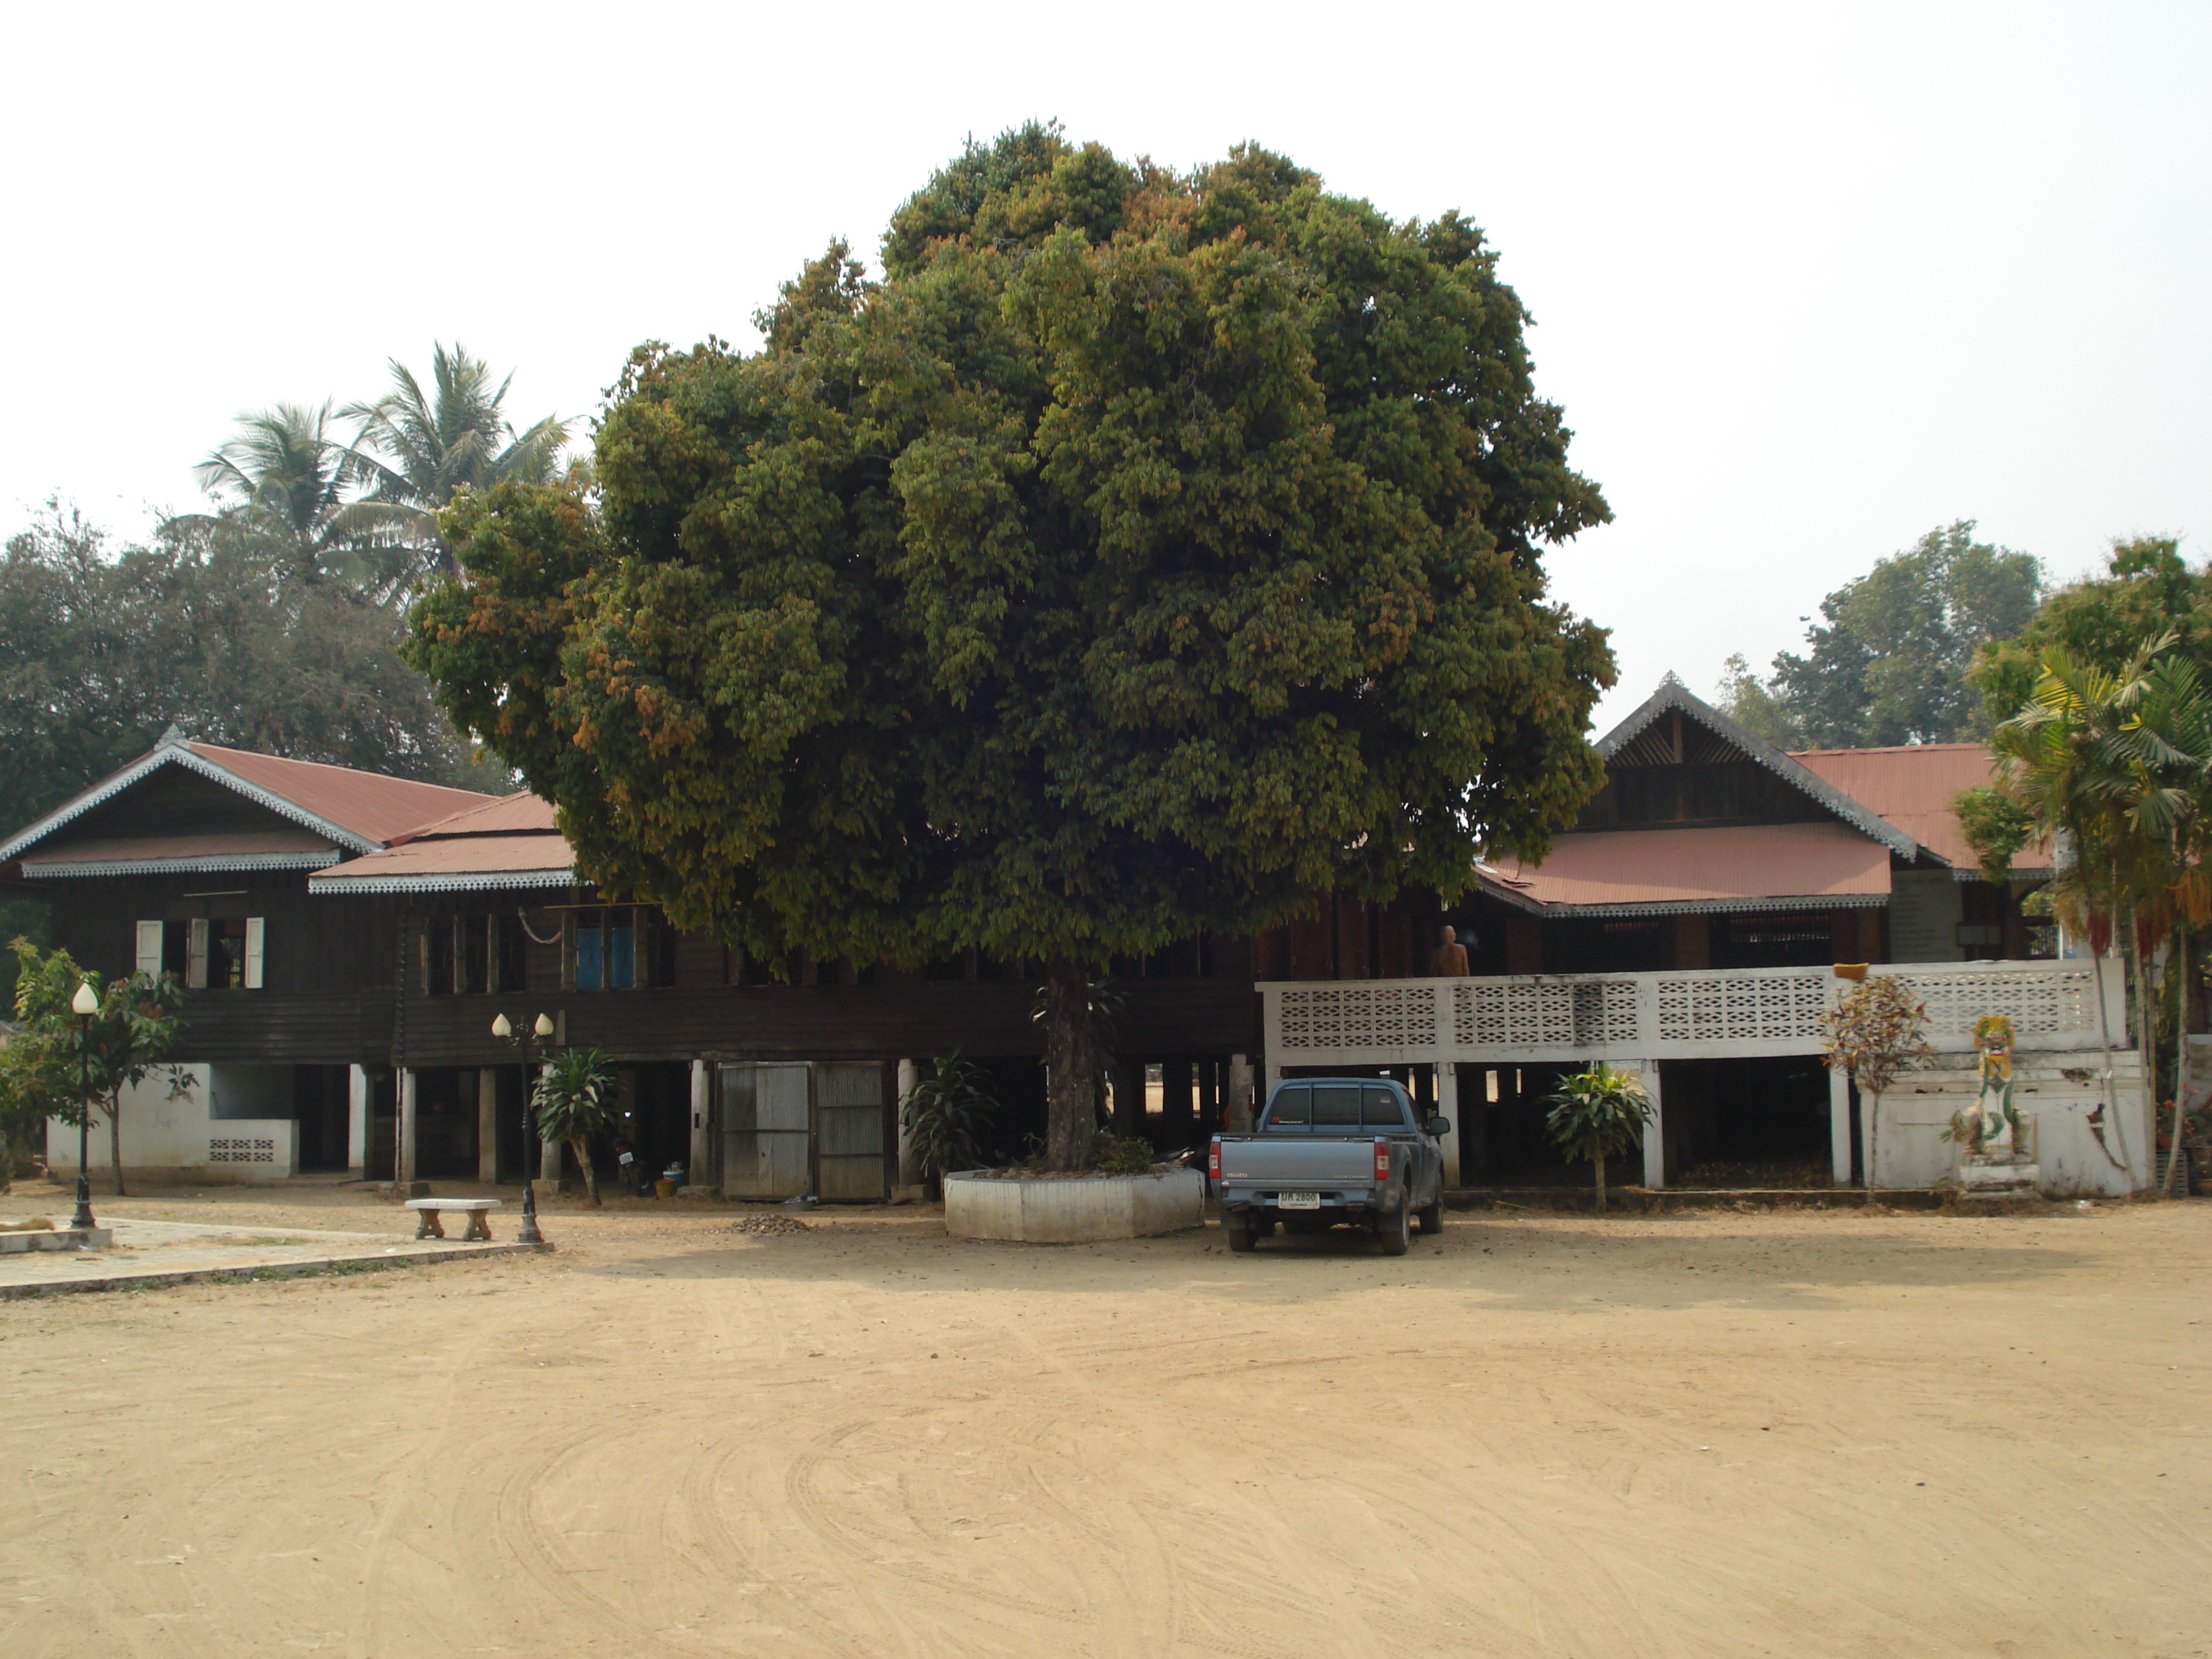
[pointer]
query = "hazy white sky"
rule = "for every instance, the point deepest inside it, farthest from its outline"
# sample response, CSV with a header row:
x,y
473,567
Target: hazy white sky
x,y
1808,281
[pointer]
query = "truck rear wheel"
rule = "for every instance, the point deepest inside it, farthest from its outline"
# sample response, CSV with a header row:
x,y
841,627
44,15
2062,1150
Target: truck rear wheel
x,y
1431,1218
1240,1239
1392,1230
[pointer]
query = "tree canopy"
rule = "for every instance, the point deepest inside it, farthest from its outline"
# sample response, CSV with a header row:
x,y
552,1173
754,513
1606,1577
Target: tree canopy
x,y
102,647
1889,663
1145,553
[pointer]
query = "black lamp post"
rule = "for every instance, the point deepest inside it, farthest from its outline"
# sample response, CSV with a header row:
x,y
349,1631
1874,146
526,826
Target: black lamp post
x,y
540,1029
84,1004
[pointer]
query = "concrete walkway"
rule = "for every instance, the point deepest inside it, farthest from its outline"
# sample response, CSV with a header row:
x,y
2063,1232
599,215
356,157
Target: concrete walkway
x,y
176,1253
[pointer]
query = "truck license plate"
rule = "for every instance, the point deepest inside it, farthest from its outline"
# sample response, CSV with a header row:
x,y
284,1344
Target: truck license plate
x,y
1297,1200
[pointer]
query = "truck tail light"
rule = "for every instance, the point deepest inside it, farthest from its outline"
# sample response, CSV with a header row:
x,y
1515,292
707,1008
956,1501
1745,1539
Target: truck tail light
x,y
1381,1158
1213,1159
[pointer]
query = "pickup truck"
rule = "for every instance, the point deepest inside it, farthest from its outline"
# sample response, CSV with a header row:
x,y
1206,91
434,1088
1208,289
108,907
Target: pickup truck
x,y
1330,1151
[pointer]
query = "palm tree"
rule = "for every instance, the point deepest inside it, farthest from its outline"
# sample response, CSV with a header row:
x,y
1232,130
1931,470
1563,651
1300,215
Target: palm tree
x,y
280,484
416,450
2119,764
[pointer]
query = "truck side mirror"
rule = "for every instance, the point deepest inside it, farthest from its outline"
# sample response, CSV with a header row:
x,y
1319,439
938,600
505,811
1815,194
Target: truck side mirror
x,y
1439,1126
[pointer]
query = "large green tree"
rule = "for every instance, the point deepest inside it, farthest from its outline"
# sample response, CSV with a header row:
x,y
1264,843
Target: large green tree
x,y
1145,553
1888,662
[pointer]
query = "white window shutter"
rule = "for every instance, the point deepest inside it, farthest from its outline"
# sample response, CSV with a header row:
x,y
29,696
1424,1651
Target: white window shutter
x,y
149,960
195,955
254,926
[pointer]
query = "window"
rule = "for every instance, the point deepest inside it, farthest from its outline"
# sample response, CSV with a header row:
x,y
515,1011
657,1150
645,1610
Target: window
x,y
468,956
224,953
1336,1105
1293,1104
1379,1109
618,947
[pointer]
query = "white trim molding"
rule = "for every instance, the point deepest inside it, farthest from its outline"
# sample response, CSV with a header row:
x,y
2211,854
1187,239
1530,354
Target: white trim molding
x,y
174,752
446,881
207,867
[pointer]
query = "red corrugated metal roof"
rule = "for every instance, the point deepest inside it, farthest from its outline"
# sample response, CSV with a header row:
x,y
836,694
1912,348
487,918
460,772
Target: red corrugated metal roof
x,y
521,813
511,838
1702,867
1913,785
370,804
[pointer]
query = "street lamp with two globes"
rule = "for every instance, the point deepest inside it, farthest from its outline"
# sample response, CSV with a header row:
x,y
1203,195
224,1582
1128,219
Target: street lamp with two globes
x,y
541,1027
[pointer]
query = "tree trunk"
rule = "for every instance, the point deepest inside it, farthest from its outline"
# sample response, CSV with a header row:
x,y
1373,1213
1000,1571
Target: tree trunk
x,y
2180,1050
1870,1114
1600,1161
1071,1099
583,1151
114,1137
2111,1107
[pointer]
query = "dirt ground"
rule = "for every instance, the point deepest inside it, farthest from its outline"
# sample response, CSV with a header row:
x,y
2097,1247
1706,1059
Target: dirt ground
x,y
1698,1435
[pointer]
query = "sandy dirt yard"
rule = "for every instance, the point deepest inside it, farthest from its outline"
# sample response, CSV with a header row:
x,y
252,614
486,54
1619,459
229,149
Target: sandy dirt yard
x,y
1700,1435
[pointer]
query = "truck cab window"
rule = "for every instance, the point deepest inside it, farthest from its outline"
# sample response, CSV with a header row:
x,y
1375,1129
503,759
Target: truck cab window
x,y
1336,1105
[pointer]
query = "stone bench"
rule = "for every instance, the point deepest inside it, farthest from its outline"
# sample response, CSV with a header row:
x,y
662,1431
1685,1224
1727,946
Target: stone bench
x,y
478,1211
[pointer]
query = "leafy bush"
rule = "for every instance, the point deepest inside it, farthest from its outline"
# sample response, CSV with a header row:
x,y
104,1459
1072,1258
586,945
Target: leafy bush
x,y
944,1116
1121,1154
572,1105
1596,1114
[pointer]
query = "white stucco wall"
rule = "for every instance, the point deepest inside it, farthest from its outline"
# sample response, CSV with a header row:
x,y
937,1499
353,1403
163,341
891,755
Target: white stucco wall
x,y
2057,1091
180,1135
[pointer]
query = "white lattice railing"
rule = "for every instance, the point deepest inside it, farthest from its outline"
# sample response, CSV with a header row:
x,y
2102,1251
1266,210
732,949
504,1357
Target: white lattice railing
x,y
1680,1015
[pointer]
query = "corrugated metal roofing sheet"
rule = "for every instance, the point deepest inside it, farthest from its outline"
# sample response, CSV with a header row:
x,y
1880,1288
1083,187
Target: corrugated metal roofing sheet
x,y
1705,869
367,803
521,813
507,842
1913,787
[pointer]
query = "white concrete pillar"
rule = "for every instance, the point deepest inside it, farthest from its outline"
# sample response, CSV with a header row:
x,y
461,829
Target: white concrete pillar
x,y
549,1167
1839,1125
357,1099
1274,1075
910,1166
487,1125
696,1169
1448,1108
1654,1132
1237,1110
405,1171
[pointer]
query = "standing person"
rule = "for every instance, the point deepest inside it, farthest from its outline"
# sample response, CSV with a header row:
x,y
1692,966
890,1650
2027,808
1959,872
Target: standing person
x,y
1449,961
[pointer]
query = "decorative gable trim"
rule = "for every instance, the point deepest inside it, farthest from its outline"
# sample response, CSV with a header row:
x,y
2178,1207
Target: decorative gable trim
x,y
1673,694
172,751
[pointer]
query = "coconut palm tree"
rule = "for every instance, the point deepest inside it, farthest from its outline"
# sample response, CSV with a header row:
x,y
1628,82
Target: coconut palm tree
x,y
417,449
281,487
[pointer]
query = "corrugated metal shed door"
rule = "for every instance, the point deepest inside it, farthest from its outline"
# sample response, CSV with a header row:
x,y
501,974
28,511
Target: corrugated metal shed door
x,y
764,1123
849,1131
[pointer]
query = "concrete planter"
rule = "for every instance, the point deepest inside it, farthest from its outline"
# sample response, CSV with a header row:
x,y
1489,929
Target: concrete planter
x,y
1078,1210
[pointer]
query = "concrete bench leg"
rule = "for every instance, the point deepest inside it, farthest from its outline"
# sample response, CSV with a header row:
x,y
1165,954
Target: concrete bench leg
x,y
480,1225
429,1226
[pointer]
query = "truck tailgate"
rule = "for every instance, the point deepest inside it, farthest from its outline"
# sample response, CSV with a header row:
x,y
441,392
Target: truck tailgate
x,y
1296,1161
